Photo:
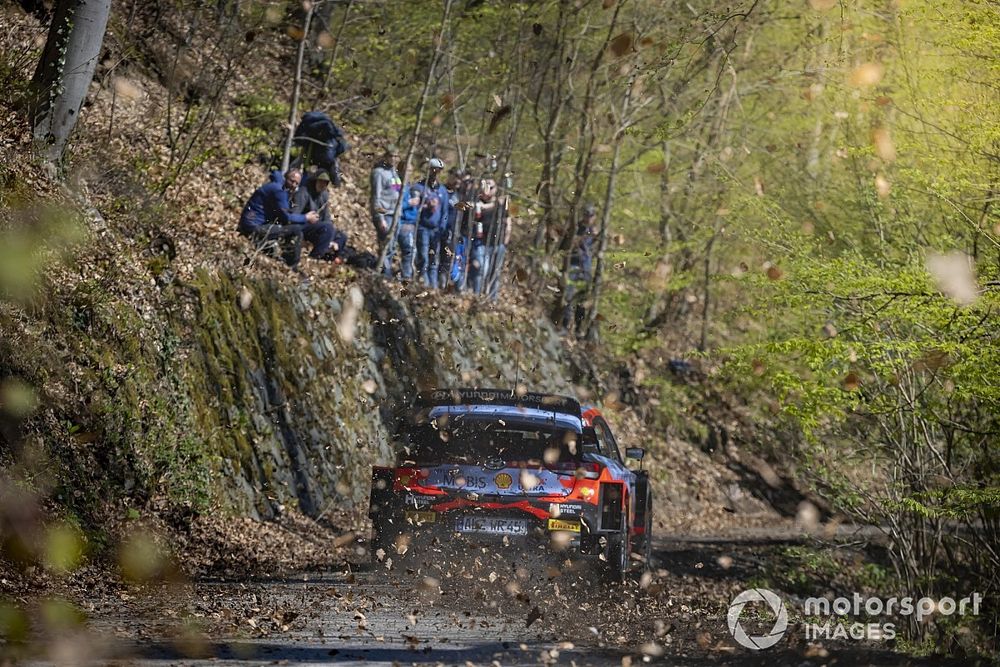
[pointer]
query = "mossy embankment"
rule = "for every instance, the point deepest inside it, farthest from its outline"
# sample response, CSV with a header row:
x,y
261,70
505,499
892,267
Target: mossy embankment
x,y
236,390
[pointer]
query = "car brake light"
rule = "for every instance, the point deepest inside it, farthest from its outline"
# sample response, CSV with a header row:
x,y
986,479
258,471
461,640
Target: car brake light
x,y
415,479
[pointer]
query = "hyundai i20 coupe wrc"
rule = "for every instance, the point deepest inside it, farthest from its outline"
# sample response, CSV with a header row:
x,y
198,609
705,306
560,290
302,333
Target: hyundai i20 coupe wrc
x,y
485,466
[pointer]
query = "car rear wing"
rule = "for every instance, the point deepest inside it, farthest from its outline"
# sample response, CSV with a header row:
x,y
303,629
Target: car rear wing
x,y
551,402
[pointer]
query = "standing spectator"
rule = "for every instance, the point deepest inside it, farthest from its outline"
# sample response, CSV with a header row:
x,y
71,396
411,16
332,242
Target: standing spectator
x,y
407,234
268,216
314,196
447,239
580,259
433,210
496,249
484,221
385,189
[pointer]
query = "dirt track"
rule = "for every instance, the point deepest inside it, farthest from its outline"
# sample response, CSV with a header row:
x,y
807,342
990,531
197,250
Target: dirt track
x,y
478,614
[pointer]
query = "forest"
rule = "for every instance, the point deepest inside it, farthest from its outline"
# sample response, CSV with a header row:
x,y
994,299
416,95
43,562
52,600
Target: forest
x,y
796,257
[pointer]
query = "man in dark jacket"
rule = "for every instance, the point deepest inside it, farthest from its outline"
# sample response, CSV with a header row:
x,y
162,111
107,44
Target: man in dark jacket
x,y
268,215
314,196
433,218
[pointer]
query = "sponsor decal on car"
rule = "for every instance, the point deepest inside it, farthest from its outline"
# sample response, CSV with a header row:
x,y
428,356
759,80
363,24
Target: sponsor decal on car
x,y
417,501
420,517
503,480
559,524
557,510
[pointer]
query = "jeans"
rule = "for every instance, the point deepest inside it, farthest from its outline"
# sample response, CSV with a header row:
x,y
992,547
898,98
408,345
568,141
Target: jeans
x,y
575,292
477,267
405,238
493,276
321,235
380,220
290,237
444,260
427,256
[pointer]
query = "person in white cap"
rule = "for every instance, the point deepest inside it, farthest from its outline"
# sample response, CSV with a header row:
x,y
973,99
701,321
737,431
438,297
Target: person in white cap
x,y
432,218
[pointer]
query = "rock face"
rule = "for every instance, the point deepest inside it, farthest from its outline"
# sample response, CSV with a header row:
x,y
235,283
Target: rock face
x,y
294,411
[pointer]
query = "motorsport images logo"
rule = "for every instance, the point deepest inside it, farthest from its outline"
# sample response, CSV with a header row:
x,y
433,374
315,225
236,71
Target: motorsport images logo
x,y
856,617
757,642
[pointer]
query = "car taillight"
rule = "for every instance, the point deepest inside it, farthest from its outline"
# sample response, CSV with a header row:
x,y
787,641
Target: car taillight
x,y
414,479
610,503
585,470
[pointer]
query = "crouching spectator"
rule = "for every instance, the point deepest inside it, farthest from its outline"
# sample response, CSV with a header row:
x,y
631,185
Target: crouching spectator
x,y
314,197
268,215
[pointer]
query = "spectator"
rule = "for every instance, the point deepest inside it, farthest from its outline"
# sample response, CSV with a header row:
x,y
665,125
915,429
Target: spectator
x,y
385,189
267,215
432,217
462,228
580,258
406,236
484,221
314,196
496,249
448,238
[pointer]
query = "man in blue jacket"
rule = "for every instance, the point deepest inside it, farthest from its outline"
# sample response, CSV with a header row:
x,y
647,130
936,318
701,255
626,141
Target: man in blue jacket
x,y
432,219
267,215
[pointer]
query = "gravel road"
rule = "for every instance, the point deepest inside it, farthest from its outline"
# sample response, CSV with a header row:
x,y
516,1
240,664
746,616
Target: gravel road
x,y
481,609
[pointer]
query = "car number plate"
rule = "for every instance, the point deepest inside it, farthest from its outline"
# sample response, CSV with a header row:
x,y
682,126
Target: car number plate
x,y
491,525
420,517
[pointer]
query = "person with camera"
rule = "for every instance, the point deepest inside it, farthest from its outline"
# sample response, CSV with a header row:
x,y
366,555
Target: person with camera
x,y
314,196
268,216
431,221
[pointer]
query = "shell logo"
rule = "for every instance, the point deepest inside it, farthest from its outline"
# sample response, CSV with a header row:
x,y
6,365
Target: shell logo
x,y
503,481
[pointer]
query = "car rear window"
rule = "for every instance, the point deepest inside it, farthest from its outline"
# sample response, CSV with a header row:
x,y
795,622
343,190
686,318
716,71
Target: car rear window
x,y
474,441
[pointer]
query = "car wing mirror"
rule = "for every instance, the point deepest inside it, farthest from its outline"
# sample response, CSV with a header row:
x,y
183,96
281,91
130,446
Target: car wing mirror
x,y
636,453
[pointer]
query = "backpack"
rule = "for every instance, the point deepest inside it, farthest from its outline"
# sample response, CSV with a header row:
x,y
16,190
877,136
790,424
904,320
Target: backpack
x,y
320,139
360,260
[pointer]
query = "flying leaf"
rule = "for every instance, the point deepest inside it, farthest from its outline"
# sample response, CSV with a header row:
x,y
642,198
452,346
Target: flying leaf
x,y
867,75
656,167
851,382
621,44
245,298
498,117
954,274
883,144
882,186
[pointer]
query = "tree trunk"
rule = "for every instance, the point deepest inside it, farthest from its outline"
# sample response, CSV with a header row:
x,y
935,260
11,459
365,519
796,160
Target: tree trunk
x,y
293,114
438,41
585,160
65,71
590,323
553,146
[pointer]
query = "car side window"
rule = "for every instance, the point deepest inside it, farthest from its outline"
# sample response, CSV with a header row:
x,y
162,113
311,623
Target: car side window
x,y
608,444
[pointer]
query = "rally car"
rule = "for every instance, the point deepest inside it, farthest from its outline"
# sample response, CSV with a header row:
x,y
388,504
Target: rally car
x,y
494,465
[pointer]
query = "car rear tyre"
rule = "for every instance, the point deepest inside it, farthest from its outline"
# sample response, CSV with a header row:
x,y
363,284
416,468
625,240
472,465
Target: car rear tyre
x,y
618,559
